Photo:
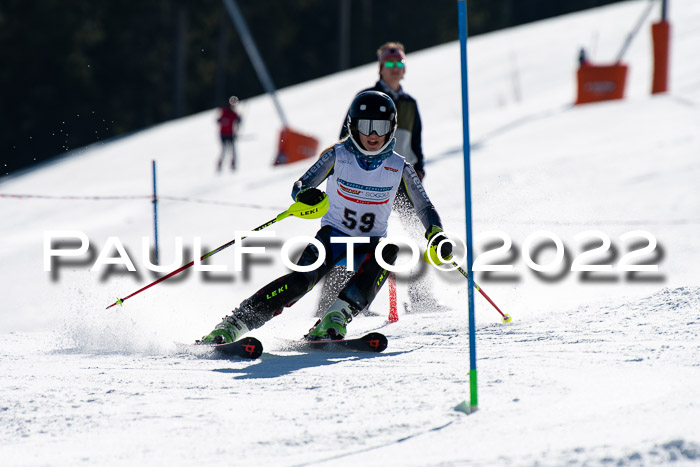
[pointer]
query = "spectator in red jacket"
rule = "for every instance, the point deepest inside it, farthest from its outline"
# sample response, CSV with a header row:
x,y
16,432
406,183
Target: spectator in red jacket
x,y
229,121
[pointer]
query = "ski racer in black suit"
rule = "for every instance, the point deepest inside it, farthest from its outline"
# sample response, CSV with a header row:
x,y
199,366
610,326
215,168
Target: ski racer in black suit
x,y
363,173
392,69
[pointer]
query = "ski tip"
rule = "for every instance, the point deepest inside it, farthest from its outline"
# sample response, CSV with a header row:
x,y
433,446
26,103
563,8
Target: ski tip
x,y
248,347
372,342
252,349
376,341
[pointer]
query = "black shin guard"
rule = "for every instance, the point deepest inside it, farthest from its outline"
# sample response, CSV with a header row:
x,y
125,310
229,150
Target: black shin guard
x,y
365,285
269,301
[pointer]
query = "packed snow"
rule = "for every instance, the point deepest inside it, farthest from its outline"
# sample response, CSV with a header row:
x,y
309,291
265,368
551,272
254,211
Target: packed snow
x,y
595,368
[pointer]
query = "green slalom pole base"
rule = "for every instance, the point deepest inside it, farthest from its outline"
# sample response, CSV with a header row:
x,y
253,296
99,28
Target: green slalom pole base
x,y
469,408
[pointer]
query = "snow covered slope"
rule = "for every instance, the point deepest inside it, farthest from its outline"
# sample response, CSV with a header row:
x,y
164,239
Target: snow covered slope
x,y
596,368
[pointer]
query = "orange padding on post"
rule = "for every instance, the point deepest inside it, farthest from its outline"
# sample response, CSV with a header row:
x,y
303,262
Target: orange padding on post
x,y
601,82
660,33
295,146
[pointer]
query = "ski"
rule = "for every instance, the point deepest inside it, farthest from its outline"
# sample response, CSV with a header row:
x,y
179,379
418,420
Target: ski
x,y
372,342
246,347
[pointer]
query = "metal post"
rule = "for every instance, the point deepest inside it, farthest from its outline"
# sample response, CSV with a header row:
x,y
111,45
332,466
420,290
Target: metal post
x,y
462,14
155,211
252,50
634,31
664,10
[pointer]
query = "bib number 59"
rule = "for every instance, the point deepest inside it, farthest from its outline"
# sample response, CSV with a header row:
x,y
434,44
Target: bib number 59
x,y
366,220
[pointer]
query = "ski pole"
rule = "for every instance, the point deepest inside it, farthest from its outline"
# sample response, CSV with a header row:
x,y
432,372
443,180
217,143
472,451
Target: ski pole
x,y
506,317
297,209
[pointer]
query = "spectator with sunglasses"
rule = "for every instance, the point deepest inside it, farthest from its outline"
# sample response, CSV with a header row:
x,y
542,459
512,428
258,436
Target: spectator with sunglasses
x,y
362,174
392,68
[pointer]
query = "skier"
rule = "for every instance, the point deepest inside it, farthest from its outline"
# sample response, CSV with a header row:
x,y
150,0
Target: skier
x,y
229,120
363,174
392,69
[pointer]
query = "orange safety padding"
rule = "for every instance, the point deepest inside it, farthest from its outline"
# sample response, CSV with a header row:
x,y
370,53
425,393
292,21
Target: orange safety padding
x,y
660,33
600,82
295,146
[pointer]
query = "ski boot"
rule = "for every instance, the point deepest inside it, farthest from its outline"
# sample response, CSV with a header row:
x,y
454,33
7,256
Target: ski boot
x,y
230,329
333,325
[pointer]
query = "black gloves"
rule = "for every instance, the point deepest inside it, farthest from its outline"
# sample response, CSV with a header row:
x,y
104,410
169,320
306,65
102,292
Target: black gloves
x,y
435,235
311,196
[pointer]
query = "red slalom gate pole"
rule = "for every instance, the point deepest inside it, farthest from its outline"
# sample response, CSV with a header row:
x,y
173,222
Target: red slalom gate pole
x,y
393,313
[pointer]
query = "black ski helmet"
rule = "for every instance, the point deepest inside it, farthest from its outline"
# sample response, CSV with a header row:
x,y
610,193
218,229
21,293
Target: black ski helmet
x,y
371,105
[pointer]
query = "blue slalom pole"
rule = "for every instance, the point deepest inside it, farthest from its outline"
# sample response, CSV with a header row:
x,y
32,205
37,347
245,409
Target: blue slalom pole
x,y
462,15
155,209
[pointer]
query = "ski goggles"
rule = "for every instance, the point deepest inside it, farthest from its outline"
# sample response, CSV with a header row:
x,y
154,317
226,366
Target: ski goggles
x,y
394,63
366,127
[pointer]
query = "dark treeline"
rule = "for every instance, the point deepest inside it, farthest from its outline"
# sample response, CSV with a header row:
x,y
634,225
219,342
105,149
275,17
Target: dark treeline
x,y
74,72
